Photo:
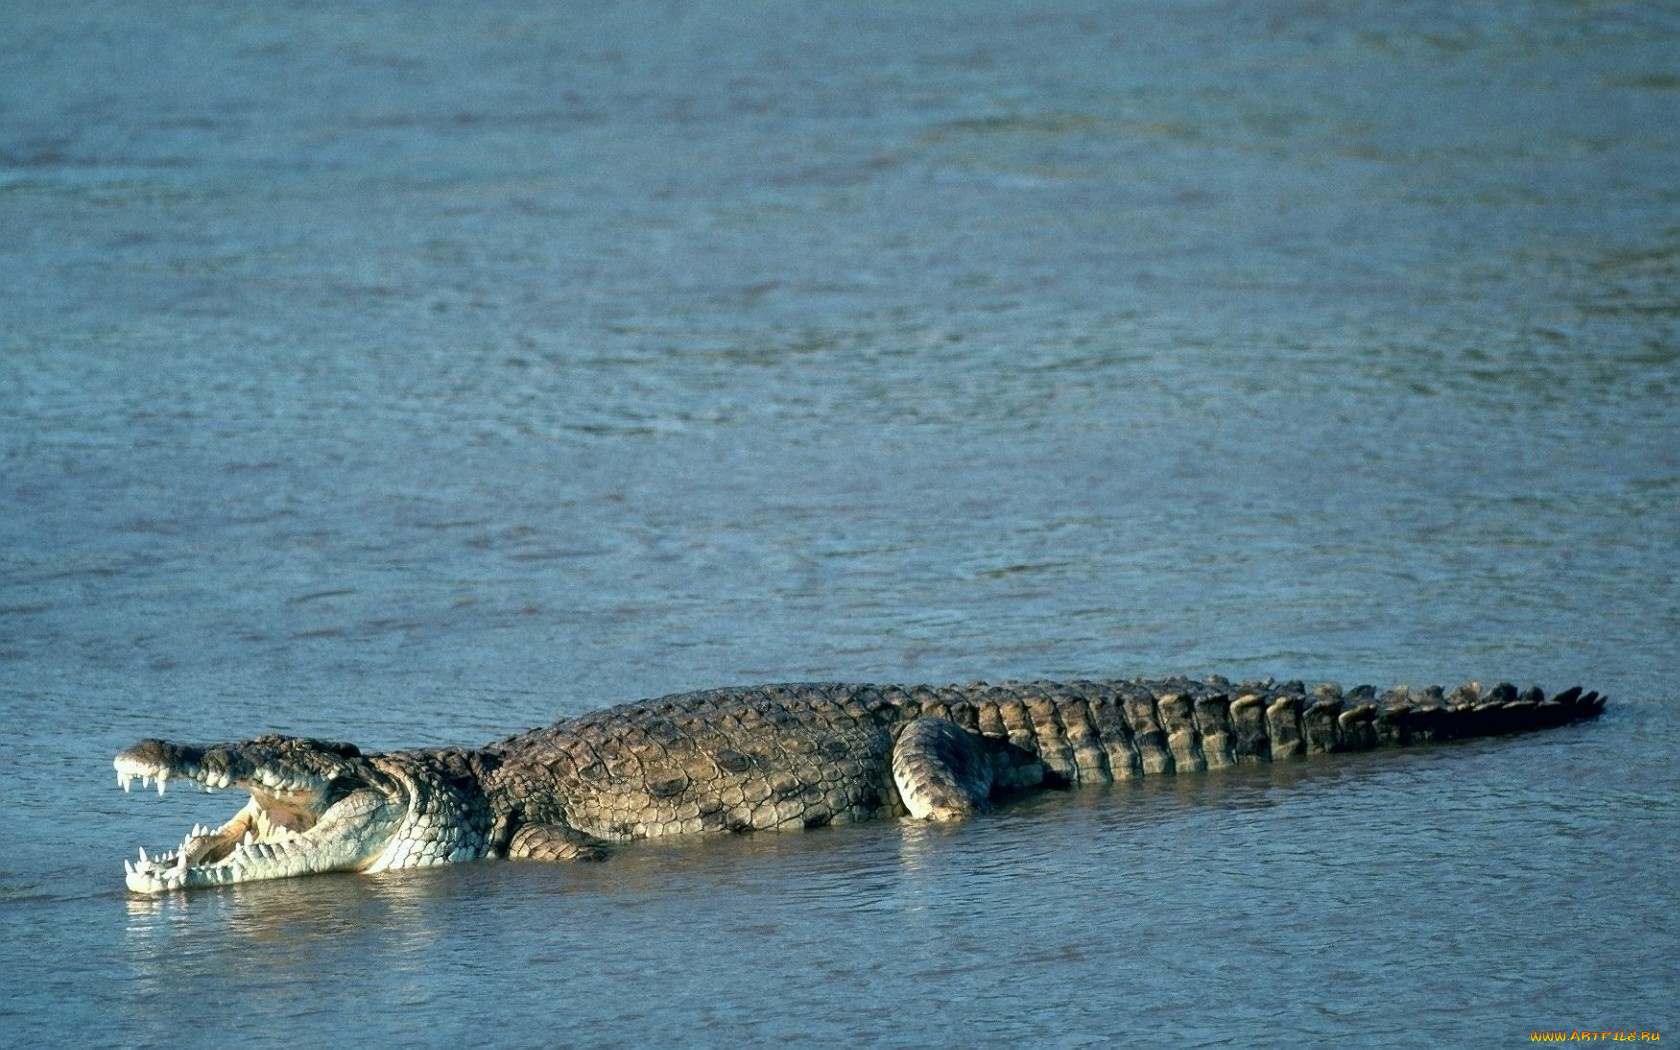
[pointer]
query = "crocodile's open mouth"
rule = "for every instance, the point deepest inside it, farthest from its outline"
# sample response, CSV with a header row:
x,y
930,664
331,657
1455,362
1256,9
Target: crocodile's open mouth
x,y
314,806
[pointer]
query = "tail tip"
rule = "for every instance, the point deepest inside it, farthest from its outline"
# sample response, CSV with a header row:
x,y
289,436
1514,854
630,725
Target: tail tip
x,y
1582,703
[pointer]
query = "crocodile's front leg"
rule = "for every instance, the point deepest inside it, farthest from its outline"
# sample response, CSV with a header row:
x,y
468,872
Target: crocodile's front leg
x,y
554,842
942,771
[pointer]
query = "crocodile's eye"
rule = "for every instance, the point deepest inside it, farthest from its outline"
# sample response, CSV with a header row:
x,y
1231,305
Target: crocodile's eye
x,y
338,789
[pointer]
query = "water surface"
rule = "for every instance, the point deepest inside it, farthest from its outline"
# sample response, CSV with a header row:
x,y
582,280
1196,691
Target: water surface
x,y
419,373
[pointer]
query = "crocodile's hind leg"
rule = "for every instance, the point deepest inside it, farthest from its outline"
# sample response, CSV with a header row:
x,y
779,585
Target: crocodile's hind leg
x,y
554,842
941,770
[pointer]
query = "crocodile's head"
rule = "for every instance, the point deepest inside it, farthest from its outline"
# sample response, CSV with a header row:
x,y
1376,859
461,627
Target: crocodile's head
x,y
316,806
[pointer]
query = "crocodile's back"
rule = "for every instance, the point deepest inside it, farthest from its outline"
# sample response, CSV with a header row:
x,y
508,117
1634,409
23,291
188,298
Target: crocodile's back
x,y
719,760
813,754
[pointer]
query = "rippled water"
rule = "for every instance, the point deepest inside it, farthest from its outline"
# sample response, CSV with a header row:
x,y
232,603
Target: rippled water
x,y
420,373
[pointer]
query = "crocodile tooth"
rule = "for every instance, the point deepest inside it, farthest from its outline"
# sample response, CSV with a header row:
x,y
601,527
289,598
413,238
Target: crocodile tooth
x,y
143,858
248,839
163,774
129,868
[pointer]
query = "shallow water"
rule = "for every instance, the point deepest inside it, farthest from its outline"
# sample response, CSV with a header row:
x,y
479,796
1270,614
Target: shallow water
x,y
420,373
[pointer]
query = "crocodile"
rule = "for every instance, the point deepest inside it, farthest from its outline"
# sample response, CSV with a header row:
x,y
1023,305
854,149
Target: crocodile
x,y
768,758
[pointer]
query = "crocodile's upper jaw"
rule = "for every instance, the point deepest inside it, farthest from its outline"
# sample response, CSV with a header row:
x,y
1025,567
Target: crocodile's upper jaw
x,y
315,806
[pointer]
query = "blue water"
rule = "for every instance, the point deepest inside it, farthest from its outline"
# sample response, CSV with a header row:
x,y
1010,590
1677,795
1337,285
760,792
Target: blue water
x,y
419,373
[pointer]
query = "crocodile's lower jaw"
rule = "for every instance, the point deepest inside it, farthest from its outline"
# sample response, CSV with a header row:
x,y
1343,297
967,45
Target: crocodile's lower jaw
x,y
204,860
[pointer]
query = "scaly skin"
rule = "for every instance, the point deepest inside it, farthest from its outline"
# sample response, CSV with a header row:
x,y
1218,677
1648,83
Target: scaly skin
x,y
775,757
